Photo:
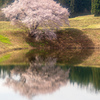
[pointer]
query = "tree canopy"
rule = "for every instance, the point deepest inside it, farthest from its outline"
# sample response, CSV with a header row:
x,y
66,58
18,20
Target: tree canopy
x,y
95,7
38,13
75,6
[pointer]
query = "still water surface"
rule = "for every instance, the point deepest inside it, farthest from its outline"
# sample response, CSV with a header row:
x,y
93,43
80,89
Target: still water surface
x,y
50,75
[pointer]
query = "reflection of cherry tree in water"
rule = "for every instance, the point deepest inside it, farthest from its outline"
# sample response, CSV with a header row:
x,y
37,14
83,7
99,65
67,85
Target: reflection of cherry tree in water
x,y
42,76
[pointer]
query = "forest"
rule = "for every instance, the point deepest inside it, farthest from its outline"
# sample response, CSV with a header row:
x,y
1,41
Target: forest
x,y
75,7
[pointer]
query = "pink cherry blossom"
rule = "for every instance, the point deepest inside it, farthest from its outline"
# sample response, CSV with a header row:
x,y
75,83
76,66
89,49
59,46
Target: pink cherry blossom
x,y
38,13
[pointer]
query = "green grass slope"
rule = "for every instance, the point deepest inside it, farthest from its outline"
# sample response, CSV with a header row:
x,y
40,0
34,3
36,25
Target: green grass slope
x,y
11,37
83,30
85,22
89,25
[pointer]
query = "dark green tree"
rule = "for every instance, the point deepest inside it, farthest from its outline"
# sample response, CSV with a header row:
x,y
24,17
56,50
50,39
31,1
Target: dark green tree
x,y
82,6
76,6
92,6
5,2
95,7
72,6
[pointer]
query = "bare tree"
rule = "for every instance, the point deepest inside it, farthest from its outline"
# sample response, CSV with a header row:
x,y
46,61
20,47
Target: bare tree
x,y
38,13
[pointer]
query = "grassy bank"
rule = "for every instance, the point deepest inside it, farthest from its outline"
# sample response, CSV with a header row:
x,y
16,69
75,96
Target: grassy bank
x,y
81,27
84,31
16,57
89,25
11,37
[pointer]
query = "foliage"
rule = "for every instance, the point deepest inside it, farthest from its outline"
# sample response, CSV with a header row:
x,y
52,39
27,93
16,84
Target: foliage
x,y
82,6
35,13
5,2
92,6
77,6
96,7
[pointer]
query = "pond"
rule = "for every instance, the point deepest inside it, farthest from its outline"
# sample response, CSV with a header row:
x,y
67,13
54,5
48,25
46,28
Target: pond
x,y
72,74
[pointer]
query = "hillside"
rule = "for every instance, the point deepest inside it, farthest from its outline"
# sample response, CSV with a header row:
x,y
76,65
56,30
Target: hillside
x,y
11,38
84,32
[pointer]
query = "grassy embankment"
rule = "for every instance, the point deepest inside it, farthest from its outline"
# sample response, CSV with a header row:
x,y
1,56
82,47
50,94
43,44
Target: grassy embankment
x,y
90,26
84,29
11,38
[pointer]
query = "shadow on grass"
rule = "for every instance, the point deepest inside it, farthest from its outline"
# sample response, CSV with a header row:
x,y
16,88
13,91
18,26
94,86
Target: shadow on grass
x,y
66,39
73,38
72,47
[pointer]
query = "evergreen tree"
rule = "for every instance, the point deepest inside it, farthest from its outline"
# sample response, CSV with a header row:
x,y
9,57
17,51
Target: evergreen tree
x,y
82,6
5,2
92,6
76,6
72,6
0,2
96,7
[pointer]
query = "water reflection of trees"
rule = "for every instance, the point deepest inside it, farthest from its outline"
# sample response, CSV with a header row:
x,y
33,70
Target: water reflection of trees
x,y
42,76
49,70
85,77
68,56
80,75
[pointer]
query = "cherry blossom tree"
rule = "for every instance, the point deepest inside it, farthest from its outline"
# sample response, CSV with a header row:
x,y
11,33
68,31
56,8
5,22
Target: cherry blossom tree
x,y
37,14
